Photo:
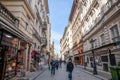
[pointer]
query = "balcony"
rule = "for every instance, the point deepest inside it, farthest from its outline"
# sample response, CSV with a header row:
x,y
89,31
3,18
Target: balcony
x,y
43,40
7,15
44,25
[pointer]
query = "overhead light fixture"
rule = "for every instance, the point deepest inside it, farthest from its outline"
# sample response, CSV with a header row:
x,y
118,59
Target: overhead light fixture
x,y
8,35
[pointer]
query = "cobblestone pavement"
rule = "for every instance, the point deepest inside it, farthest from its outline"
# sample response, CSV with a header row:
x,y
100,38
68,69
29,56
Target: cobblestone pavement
x,y
61,74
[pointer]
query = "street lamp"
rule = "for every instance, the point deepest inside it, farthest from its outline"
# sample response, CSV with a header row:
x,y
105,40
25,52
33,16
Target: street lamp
x,y
94,63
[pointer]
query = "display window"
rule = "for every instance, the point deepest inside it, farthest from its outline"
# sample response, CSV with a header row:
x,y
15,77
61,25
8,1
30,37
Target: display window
x,y
9,48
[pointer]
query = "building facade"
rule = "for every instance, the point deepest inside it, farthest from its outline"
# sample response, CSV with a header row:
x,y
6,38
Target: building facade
x,y
76,28
66,43
41,31
101,23
23,29
24,37
95,28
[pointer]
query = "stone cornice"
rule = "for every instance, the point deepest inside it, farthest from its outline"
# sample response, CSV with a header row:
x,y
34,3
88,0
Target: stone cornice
x,y
29,8
46,6
26,5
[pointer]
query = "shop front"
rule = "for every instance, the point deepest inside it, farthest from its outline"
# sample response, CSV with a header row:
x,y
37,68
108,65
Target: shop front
x,y
23,58
14,56
104,57
15,46
8,55
76,59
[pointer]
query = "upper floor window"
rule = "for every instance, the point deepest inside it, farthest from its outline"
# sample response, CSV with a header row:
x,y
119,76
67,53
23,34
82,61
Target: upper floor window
x,y
115,34
109,3
76,1
102,36
30,2
27,24
36,24
114,31
91,13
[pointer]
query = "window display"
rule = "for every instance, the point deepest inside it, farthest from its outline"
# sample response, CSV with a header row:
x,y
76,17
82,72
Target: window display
x,y
8,60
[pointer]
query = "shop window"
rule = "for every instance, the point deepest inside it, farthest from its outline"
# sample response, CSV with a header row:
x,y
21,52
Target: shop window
x,y
104,58
9,54
105,67
87,60
91,58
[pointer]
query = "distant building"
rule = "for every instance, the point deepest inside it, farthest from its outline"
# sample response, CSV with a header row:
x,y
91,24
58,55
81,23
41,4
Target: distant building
x,y
76,28
52,53
66,43
101,23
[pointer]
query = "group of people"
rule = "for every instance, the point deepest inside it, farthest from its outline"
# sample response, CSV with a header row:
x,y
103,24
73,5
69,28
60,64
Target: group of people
x,y
69,68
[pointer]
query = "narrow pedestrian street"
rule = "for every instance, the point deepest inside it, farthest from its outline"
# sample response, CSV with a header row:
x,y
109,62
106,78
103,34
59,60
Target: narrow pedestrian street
x,y
37,34
61,74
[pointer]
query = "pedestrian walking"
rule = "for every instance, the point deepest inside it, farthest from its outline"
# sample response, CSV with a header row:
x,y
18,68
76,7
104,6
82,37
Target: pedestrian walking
x,y
57,64
60,63
70,68
53,65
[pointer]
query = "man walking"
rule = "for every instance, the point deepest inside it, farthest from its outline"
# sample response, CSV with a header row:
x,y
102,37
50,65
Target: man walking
x,y
53,65
70,68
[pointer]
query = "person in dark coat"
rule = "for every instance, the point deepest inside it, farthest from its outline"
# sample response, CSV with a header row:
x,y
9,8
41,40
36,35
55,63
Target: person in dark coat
x,y
53,65
57,64
60,63
70,68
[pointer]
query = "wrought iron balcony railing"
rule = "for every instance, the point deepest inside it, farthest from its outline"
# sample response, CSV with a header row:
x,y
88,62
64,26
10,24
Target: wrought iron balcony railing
x,y
6,14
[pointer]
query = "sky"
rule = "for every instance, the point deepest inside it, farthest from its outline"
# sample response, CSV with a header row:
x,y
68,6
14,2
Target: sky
x,y
59,17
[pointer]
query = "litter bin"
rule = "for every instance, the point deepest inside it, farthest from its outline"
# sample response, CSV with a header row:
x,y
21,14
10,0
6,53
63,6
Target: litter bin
x,y
115,72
